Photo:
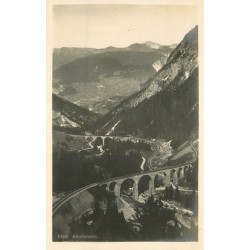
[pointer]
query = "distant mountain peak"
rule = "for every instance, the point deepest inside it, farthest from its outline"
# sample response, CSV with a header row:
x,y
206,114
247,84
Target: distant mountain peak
x,y
152,45
111,48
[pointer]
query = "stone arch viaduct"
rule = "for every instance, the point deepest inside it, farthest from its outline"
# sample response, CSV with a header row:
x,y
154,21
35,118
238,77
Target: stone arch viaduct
x,y
168,176
103,138
138,182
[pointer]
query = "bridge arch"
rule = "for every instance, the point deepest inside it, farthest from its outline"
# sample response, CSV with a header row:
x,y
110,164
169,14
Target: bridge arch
x,y
89,138
172,173
104,186
189,173
129,188
180,173
160,179
112,186
107,140
173,177
99,141
186,170
146,183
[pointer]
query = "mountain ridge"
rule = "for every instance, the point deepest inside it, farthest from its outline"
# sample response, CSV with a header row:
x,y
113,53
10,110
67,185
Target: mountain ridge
x,y
97,77
162,78
66,55
69,115
172,79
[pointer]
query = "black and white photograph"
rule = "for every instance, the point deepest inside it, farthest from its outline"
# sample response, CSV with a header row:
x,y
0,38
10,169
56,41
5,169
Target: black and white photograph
x,y
125,123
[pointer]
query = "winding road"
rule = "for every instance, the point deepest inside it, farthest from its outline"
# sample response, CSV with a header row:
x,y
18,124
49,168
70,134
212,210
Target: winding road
x,y
142,164
150,159
158,145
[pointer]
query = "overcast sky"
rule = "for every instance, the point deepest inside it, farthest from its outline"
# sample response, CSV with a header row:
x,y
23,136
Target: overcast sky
x,y
100,26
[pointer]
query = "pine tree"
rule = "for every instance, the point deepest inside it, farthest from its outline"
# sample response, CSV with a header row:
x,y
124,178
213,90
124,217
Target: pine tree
x,y
171,192
177,193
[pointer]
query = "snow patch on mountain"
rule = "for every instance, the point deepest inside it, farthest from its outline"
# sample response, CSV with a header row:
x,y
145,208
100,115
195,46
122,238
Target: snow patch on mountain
x,y
186,74
113,128
152,45
159,64
63,121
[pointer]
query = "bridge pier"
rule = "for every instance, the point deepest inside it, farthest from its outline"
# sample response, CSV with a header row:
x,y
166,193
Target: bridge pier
x,y
151,186
117,190
103,140
135,191
167,180
182,173
175,178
